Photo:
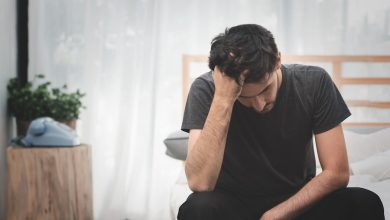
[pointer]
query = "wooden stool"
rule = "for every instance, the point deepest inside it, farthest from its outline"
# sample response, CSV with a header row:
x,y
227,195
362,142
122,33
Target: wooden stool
x,y
49,183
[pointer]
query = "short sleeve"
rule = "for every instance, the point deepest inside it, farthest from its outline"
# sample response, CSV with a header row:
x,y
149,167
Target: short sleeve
x,y
198,104
330,108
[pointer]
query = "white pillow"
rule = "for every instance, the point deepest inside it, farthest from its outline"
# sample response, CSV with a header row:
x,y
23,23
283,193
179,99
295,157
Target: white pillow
x,y
361,146
361,180
176,144
377,165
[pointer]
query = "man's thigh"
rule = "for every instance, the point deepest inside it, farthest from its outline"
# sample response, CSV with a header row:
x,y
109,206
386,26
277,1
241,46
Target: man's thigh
x,y
347,203
213,205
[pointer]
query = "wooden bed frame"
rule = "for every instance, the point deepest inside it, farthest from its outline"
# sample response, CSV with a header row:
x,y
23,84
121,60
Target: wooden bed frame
x,y
335,61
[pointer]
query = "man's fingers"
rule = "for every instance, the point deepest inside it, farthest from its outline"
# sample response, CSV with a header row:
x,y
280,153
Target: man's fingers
x,y
243,77
240,81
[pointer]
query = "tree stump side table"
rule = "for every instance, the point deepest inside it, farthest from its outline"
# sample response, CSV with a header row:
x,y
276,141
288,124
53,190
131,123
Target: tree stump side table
x,y
49,183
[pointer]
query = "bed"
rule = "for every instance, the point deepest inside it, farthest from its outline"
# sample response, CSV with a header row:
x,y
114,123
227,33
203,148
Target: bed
x,y
367,132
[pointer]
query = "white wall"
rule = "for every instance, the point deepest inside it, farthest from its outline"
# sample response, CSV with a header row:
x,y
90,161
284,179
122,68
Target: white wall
x,y
7,71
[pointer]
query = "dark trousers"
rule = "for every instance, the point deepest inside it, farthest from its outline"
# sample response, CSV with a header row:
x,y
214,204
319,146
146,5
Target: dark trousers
x,y
346,203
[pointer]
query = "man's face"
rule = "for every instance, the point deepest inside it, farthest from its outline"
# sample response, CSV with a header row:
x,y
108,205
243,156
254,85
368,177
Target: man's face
x,y
261,96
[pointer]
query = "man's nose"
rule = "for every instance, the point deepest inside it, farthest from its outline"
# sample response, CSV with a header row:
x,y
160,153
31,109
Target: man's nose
x,y
259,104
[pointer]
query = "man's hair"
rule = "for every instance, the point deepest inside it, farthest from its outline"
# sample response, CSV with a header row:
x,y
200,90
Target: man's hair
x,y
248,47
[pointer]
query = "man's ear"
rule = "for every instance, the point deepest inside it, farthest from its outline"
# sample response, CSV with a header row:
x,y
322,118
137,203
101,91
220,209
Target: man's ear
x,y
278,61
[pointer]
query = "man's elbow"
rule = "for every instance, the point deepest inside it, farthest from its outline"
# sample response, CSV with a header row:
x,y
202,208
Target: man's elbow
x,y
341,179
336,179
344,179
200,185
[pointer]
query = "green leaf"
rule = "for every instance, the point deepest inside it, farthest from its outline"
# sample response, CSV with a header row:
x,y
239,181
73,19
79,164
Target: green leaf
x,y
27,103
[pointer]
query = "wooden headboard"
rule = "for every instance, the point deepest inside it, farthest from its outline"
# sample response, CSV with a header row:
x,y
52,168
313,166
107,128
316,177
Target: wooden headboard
x,y
336,63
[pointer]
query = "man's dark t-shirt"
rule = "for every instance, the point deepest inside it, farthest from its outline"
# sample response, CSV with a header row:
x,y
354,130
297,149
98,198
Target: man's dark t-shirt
x,y
272,154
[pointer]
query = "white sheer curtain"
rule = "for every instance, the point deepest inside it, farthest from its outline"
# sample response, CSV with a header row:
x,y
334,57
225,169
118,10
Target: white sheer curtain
x,y
126,55
108,50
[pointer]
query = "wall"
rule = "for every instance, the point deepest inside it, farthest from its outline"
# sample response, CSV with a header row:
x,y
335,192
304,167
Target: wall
x,y
7,70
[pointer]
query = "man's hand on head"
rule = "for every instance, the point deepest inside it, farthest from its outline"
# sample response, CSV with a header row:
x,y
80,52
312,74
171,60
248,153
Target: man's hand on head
x,y
227,87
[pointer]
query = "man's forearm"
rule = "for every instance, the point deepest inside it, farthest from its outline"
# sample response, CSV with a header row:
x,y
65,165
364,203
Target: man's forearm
x,y
204,162
316,189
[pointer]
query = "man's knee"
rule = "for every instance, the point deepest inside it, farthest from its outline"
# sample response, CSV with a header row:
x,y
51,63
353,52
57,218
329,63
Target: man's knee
x,y
198,205
210,205
200,201
367,202
359,202
347,203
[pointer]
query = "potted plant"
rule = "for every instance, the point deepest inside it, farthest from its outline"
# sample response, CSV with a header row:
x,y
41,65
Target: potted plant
x,y
27,103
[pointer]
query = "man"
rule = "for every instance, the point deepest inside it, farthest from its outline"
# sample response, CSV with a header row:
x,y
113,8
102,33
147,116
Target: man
x,y
251,122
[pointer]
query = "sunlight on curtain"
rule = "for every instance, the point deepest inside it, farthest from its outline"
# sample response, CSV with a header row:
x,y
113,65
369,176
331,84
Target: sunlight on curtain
x,y
126,55
107,50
